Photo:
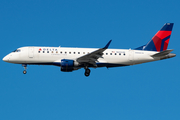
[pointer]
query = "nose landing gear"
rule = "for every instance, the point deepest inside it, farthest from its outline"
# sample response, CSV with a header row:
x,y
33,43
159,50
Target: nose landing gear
x,y
24,72
25,67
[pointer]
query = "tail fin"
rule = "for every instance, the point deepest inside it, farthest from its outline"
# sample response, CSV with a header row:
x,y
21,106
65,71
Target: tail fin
x,y
160,40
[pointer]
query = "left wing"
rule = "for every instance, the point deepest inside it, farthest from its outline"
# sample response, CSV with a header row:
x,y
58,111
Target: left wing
x,y
92,57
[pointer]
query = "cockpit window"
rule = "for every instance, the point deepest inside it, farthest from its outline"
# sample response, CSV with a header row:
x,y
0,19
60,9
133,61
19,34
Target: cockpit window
x,y
18,50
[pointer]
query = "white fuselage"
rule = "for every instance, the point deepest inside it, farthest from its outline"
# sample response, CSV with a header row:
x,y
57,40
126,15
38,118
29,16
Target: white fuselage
x,y
54,55
70,59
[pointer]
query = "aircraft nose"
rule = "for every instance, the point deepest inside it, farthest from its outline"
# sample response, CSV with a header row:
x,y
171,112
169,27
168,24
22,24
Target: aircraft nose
x,y
6,59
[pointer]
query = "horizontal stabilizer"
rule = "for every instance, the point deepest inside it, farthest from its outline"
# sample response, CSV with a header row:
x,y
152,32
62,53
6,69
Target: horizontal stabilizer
x,y
163,53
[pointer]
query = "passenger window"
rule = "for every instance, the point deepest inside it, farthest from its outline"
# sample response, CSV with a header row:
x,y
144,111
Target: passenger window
x,y
74,52
43,51
61,52
83,52
39,51
69,52
65,52
124,54
106,53
115,54
78,52
47,51
56,51
110,53
119,53
52,51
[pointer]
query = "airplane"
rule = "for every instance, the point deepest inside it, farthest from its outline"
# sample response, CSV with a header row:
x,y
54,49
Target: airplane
x,y
70,59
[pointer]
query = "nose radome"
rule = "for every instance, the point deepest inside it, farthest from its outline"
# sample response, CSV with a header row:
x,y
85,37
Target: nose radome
x,y
6,58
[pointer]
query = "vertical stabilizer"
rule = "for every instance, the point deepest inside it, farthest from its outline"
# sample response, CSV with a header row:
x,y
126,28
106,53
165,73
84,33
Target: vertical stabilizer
x,y
160,40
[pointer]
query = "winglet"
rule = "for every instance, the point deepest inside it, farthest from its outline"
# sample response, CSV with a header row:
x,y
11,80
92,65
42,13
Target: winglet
x,y
107,45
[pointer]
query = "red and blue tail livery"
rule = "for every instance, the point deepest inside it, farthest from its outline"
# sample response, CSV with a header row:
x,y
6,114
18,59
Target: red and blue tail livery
x,y
160,40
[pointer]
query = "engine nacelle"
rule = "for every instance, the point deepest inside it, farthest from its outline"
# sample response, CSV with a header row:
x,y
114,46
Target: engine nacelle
x,y
68,65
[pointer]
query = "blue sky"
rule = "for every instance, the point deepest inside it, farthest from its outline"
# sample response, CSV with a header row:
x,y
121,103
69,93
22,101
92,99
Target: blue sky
x,y
141,92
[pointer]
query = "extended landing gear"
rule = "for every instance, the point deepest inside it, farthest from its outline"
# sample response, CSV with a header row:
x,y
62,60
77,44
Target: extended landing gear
x,y
87,72
25,67
24,72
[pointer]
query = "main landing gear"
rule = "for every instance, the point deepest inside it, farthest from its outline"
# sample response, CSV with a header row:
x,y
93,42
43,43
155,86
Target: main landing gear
x,y
87,72
25,67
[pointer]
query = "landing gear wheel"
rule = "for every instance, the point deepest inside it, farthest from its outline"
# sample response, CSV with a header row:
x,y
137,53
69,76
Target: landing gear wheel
x,y
25,67
87,72
24,72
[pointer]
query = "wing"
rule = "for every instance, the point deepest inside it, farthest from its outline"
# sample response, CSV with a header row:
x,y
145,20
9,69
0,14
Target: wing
x,y
92,57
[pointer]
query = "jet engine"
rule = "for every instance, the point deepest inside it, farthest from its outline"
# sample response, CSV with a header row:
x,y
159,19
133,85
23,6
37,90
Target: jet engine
x,y
68,65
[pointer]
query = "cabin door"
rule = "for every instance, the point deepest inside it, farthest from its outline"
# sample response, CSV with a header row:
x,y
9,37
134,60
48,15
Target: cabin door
x,y
131,55
31,52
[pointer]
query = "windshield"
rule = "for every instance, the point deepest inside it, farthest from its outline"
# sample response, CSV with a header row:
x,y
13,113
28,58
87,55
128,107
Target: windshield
x,y
18,50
